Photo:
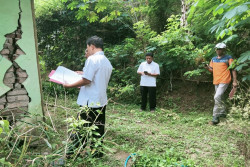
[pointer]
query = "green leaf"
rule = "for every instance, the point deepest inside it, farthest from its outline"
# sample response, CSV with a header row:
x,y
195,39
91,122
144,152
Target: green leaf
x,y
72,5
48,144
238,68
100,7
235,11
84,6
244,57
222,34
241,9
220,9
230,14
92,17
243,22
210,10
247,77
5,125
104,19
1,130
2,161
200,3
230,38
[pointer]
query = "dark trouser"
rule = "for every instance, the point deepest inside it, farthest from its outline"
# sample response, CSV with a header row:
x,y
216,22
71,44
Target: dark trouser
x,y
94,118
145,90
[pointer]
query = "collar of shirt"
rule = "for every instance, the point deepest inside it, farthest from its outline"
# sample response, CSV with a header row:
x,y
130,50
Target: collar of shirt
x,y
99,53
152,62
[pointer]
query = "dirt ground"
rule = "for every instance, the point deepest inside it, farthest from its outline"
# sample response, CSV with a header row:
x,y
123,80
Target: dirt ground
x,y
187,96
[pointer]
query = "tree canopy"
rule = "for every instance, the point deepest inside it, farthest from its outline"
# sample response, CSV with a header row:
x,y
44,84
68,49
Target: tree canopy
x,y
64,25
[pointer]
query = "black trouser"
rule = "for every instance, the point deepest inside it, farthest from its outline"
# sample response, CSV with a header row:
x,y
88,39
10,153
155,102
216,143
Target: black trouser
x,y
145,90
94,118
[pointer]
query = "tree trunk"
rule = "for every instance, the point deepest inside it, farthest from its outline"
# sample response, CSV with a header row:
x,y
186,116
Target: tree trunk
x,y
184,8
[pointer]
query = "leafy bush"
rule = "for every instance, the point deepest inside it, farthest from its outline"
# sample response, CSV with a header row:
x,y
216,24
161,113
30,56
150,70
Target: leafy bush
x,y
53,89
170,158
240,108
175,47
242,65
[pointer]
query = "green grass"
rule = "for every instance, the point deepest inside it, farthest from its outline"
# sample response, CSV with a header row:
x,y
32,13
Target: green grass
x,y
167,137
186,137
189,134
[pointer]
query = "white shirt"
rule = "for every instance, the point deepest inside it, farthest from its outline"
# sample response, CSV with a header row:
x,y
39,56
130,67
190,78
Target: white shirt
x,y
150,68
98,70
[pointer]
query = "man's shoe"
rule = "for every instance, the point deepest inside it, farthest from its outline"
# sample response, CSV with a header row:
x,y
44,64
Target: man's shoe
x,y
215,120
223,115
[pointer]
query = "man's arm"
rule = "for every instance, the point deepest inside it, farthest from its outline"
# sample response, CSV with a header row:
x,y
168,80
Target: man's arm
x,y
79,83
234,78
210,69
140,73
152,74
79,72
156,72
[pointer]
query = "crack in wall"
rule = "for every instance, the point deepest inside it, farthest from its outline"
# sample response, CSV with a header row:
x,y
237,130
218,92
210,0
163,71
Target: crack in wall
x,y
16,101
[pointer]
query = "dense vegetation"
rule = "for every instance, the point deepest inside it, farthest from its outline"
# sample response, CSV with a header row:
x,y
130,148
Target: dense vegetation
x,y
182,35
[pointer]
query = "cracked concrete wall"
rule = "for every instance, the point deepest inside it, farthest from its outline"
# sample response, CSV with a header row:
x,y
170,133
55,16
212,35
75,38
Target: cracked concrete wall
x,y
28,62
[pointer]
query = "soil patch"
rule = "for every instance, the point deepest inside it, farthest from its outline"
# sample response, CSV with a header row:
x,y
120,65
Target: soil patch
x,y
187,96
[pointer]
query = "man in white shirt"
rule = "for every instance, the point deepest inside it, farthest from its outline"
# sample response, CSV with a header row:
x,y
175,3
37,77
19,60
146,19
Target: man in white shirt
x,y
94,83
148,70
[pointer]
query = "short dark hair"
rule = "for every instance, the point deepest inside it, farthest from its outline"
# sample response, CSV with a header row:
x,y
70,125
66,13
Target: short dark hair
x,y
149,54
96,41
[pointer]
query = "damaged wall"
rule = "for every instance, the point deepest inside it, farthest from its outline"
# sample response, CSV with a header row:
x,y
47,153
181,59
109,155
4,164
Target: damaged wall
x,y
20,89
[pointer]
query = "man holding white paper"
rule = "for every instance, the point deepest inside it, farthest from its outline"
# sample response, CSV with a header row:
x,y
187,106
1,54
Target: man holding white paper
x,y
97,72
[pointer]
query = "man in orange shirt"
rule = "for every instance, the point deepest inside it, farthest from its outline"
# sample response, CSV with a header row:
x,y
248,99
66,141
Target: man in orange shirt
x,y
221,79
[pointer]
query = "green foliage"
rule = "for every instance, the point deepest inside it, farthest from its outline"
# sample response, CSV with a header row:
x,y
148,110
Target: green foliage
x,y
175,47
123,57
227,20
84,128
102,10
243,64
143,33
166,137
61,37
126,94
5,163
46,7
240,108
158,11
235,14
170,158
4,127
196,72
54,90
227,16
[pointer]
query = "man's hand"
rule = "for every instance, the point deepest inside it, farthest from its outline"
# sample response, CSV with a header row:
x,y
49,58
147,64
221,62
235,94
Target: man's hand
x,y
65,85
79,72
210,69
140,73
235,83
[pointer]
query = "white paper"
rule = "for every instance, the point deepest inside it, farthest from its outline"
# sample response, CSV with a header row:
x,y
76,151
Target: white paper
x,y
65,75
